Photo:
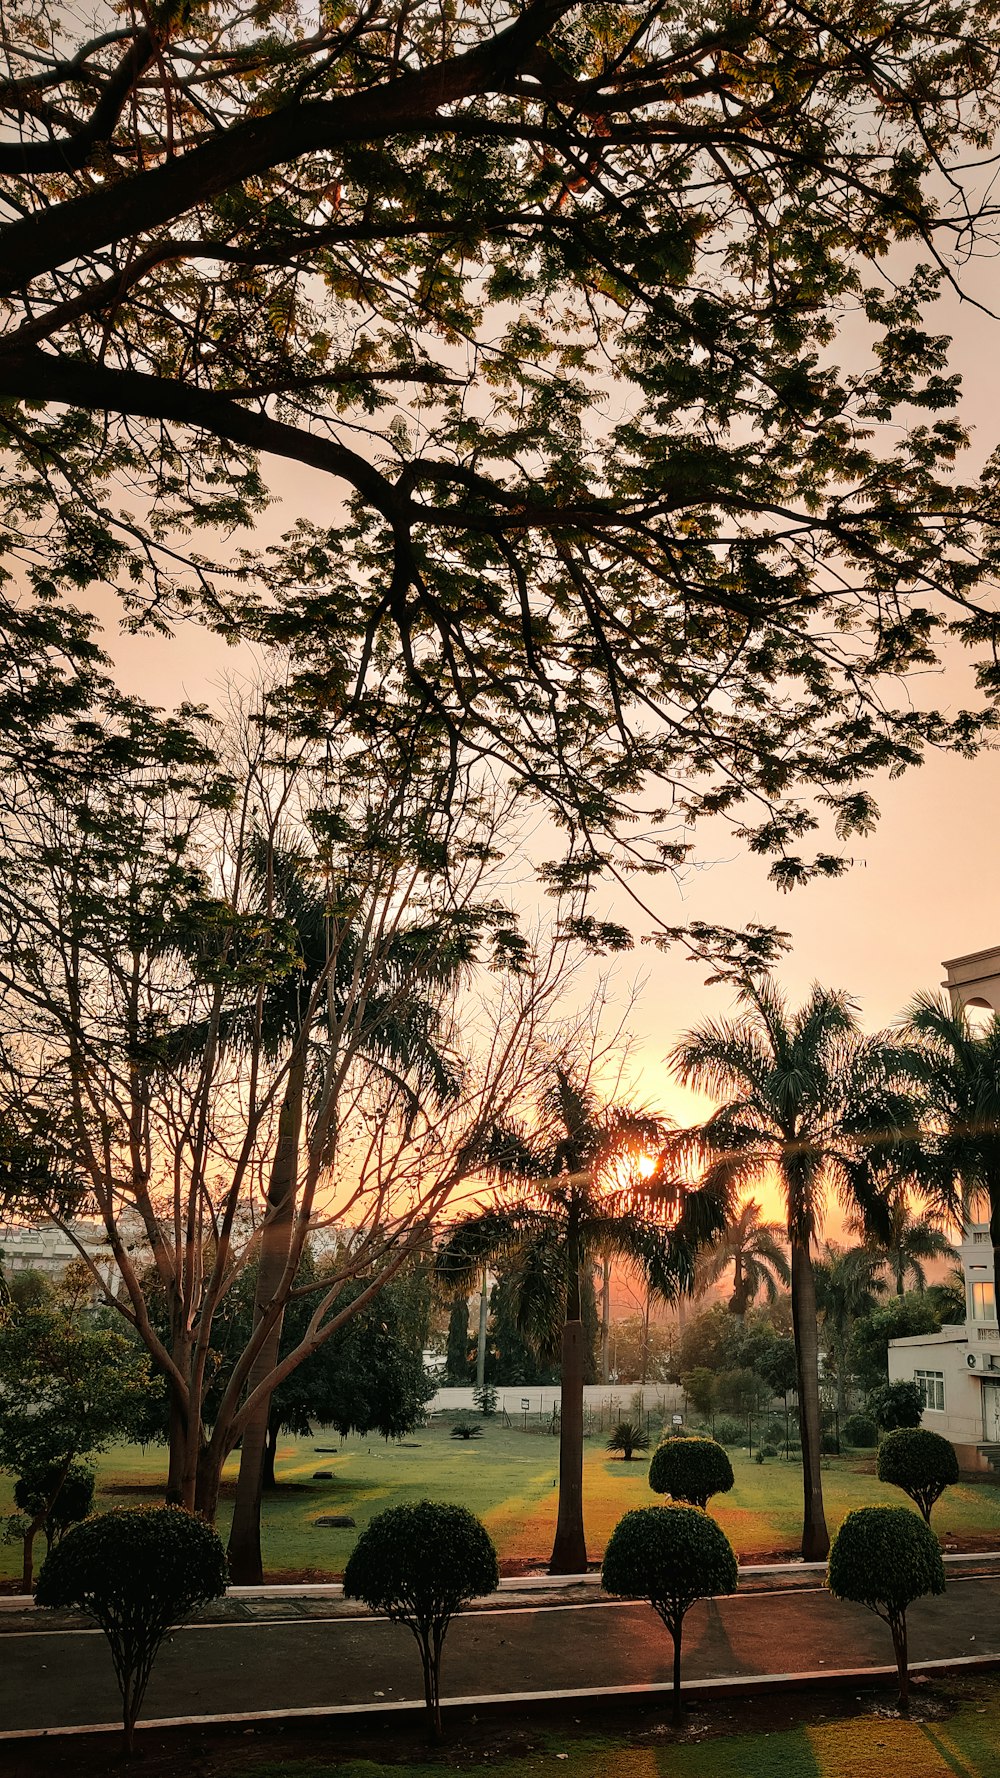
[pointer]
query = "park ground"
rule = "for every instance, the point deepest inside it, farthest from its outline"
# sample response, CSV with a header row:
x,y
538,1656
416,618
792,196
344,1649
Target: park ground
x,y
508,1478
954,1733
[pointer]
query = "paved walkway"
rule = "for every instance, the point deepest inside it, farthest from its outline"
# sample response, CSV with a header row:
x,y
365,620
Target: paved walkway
x,y
62,1677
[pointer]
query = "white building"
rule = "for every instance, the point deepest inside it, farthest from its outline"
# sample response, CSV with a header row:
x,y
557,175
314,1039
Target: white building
x,y
958,1369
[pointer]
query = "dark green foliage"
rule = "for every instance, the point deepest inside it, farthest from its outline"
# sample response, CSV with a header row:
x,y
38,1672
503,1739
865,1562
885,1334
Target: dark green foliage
x,y
137,1570
700,1386
466,1429
420,1564
486,1400
729,1431
860,1431
628,1438
690,1469
56,1496
458,1365
920,1462
670,1555
885,1557
896,1404
898,1319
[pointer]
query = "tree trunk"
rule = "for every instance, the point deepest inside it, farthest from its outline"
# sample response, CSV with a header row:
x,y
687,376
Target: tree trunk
x,y
898,1627
269,1479
246,1566
207,1483
676,1634
995,1240
27,1559
569,1552
815,1537
606,1321
484,1304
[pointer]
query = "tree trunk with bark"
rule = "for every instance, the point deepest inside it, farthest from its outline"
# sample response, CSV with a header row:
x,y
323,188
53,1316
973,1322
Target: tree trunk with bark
x,y
569,1551
246,1565
815,1537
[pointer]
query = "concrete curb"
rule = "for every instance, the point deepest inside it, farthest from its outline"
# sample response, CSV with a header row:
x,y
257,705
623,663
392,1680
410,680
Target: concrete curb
x,y
737,1685
527,1583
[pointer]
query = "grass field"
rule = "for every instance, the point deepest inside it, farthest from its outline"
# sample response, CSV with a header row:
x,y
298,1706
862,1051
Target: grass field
x,y
507,1477
964,1744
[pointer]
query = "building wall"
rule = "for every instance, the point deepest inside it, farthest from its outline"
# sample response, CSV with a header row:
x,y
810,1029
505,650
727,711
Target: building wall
x,y
966,1419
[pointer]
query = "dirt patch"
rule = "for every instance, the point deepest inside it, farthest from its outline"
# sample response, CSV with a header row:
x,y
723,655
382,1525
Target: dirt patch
x,y
470,1742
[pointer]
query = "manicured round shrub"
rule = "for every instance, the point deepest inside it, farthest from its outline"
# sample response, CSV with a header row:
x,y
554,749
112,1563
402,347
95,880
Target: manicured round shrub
x,y
885,1557
767,1450
729,1431
829,1445
860,1432
691,1469
137,1570
896,1404
670,1555
920,1462
420,1564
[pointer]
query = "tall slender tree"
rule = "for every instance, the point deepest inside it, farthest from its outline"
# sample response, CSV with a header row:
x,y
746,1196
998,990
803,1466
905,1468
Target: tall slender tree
x,y
848,1285
955,1069
808,1101
565,1204
910,1243
756,1252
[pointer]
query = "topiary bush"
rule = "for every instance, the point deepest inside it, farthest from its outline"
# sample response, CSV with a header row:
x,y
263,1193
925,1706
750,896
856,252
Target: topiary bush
x,y
920,1462
729,1431
860,1432
885,1557
670,1555
691,1469
628,1438
420,1564
50,1498
896,1404
137,1570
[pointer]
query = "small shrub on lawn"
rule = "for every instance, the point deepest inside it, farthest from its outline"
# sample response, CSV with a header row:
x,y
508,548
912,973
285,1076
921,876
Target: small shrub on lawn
x,y
860,1432
466,1429
920,1462
420,1564
691,1469
628,1438
896,1404
137,1570
767,1451
885,1557
670,1555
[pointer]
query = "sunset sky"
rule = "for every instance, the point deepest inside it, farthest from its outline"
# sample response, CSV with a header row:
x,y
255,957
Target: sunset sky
x,y
922,888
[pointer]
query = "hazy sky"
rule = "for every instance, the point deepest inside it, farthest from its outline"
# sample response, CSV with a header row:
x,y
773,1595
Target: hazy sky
x,y
923,887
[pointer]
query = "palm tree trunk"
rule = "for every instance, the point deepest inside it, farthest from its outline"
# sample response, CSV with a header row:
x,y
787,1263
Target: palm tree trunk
x,y
484,1303
246,1566
606,1321
569,1552
995,1240
815,1537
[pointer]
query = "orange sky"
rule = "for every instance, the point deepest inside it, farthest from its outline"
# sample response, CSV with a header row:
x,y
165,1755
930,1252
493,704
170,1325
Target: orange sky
x,y
923,887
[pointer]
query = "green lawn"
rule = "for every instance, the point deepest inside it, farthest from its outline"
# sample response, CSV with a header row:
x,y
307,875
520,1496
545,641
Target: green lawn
x,y
963,1744
508,1478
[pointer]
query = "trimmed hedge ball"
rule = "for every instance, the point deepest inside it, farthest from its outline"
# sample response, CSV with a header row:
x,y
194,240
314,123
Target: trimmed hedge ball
x,y
691,1470
885,1557
920,1462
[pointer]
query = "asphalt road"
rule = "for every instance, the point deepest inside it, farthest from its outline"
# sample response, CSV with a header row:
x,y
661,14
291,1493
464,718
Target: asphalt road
x,y
63,1678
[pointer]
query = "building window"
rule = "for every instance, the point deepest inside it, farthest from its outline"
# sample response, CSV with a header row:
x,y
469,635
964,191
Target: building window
x,y
931,1386
984,1306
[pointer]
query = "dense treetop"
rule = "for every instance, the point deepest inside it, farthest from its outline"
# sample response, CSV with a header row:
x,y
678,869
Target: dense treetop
x,y
552,295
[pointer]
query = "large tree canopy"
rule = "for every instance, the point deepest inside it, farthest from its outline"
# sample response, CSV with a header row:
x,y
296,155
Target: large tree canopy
x,y
551,292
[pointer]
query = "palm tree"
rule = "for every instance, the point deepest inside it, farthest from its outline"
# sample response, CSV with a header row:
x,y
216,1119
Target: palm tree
x,y
809,1101
756,1252
848,1285
399,1033
909,1244
955,1069
564,1206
